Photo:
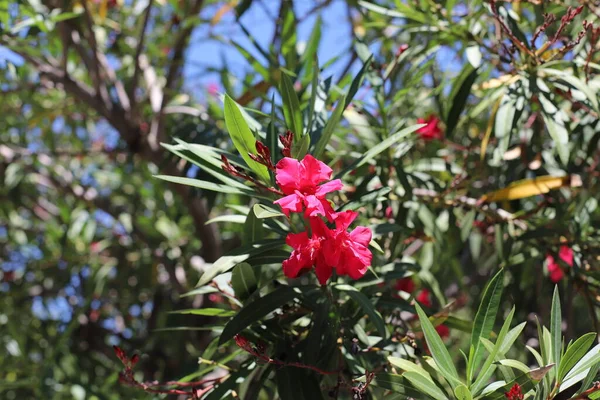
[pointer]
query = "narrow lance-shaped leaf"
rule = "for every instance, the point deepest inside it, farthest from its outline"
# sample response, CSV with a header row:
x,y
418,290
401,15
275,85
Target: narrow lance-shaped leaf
x,y
291,107
243,139
459,97
253,229
556,328
243,281
574,353
484,321
227,262
257,309
425,385
332,123
438,350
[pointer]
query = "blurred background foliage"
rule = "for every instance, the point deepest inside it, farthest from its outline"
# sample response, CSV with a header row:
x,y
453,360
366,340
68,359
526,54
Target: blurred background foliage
x,y
96,252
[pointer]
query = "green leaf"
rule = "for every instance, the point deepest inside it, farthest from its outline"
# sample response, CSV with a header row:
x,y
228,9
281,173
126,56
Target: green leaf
x,y
574,353
210,312
367,307
460,94
291,107
253,229
591,358
484,321
556,328
300,148
589,378
526,381
257,309
289,36
333,121
407,365
356,83
215,187
227,262
243,139
243,281
576,83
396,384
424,385
556,123
438,350
261,211
487,369
518,365
375,150
463,393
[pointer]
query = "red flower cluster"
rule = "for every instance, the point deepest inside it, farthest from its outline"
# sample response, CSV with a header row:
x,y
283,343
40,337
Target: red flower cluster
x,y
305,184
515,393
432,128
554,270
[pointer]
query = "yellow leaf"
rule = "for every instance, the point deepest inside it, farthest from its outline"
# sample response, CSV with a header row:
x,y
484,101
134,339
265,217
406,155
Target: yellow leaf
x,y
103,10
531,187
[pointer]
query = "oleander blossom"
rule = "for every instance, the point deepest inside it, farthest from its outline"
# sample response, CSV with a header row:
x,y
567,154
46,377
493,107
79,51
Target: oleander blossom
x,y
302,183
555,272
347,252
307,253
330,249
431,130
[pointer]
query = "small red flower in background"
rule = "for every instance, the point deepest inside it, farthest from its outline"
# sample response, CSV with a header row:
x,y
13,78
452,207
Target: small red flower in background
x,y
300,182
515,393
401,49
432,128
405,284
424,297
565,253
443,331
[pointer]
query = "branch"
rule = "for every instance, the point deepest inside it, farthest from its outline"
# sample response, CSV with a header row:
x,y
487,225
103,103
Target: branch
x,y
498,213
138,52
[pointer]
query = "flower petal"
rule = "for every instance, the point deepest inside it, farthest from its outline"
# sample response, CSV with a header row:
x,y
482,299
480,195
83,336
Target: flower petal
x,y
344,219
291,203
323,272
313,171
329,187
314,206
287,174
362,235
297,240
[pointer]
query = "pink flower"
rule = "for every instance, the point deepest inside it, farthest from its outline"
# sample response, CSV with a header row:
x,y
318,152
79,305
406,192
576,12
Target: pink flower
x,y
307,253
328,249
300,182
432,128
556,273
347,252
213,88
